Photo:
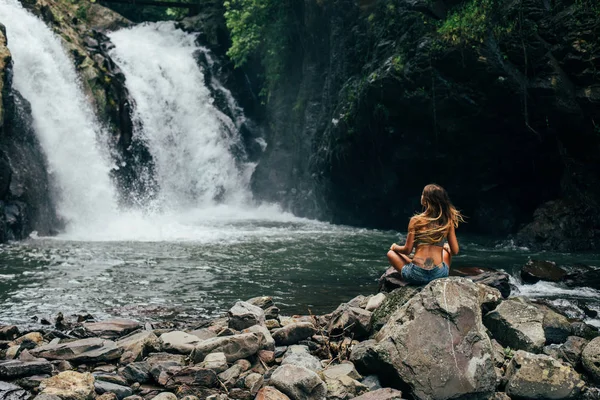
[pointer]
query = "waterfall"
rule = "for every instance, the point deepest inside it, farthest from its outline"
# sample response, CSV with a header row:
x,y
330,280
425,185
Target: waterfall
x,y
65,125
191,141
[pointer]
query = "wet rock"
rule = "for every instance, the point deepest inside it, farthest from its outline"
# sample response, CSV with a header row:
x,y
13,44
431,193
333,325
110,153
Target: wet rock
x,y
178,342
263,302
137,372
244,315
112,328
9,391
234,347
136,346
518,324
8,332
343,369
347,320
16,368
534,376
215,361
193,376
375,301
584,330
436,343
108,387
536,270
381,394
300,356
298,383
268,342
293,333
394,300
557,327
583,276
70,385
270,393
590,358
390,280
93,350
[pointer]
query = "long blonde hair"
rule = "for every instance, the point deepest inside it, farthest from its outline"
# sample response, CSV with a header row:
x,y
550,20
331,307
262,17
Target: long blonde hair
x,y
432,225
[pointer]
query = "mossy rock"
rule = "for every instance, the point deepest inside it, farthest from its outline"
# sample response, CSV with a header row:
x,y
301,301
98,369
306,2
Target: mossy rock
x,y
394,300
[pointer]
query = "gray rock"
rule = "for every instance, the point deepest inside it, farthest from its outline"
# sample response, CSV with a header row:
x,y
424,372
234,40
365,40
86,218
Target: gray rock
x,y
371,382
381,394
244,315
193,376
268,342
108,387
93,350
44,396
113,328
300,356
347,320
557,327
537,376
364,356
375,302
137,372
536,270
590,358
343,388
298,383
203,333
178,342
163,371
112,378
272,313
293,333
137,346
359,301
263,302
394,300
215,361
230,376
234,347
70,385
343,369
584,330
253,382
165,396
518,324
9,332
9,391
11,369
436,343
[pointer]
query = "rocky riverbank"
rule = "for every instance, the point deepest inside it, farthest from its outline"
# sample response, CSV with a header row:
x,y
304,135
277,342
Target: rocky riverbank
x,y
454,338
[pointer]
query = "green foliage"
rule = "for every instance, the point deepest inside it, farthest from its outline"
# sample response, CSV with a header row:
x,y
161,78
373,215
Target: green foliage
x,y
82,11
472,22
260,28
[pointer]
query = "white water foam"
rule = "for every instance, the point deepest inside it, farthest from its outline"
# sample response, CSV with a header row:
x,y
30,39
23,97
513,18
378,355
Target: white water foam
x,y
190,140
64,122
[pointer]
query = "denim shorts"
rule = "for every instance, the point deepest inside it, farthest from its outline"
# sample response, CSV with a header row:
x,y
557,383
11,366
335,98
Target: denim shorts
x,y
416,275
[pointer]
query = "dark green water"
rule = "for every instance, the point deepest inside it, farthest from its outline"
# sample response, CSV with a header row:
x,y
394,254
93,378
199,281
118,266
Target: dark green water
x,y
303,265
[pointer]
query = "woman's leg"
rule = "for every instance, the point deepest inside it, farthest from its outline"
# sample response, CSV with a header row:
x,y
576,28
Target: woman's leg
x,y
447,257
397,260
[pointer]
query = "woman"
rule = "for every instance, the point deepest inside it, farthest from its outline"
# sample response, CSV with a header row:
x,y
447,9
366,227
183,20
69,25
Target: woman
x,y
427,232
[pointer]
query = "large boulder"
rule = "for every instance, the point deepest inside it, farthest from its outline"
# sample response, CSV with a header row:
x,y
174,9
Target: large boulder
x,y
112,328
299,383
518,324
244,315
70,385
92,350
11,369
590,358
436,344
495,279
394,300
138,345
293,333
536,270
538,376
347,320
234,347
178,342
557,327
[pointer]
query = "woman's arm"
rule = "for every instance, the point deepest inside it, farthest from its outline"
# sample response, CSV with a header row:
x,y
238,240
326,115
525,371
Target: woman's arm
x,y
410,241
452,241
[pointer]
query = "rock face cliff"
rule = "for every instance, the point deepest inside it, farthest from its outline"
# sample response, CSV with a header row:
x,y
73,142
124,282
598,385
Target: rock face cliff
x,y
25,193
495,100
